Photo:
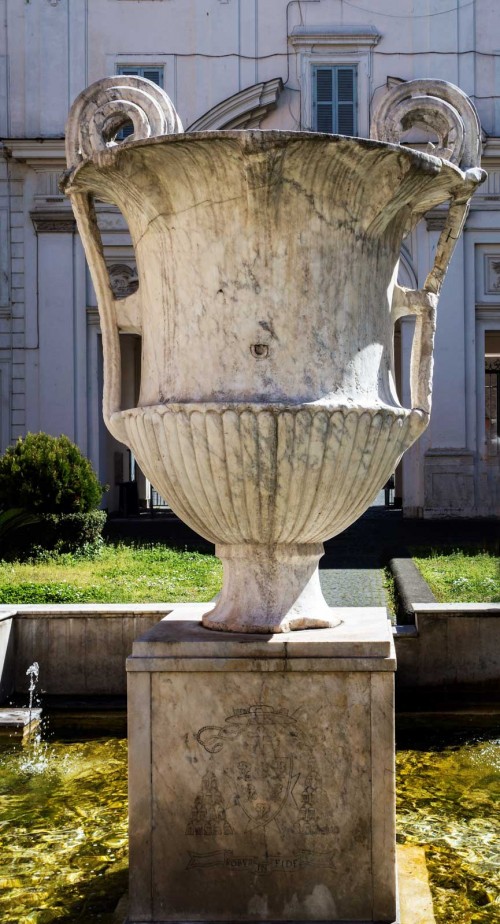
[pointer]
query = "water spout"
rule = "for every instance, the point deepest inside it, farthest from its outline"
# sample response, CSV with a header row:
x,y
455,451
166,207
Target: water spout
x,y
35,759
32,673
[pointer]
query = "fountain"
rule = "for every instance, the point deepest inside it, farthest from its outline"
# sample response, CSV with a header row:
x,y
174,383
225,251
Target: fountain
x,y
16,720
261,771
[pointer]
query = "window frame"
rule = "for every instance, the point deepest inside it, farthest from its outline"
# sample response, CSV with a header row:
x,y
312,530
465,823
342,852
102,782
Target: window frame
x,y
486,320
344,46
116,62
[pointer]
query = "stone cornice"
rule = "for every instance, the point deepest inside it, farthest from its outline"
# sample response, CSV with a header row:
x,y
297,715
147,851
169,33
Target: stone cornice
x,y
304,37
435,220
51,221
243,110
491,147
43,151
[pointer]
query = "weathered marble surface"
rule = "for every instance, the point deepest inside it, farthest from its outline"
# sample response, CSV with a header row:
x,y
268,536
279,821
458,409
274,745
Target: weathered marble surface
x,y
361,632
262,773
441,107
267,261
415,899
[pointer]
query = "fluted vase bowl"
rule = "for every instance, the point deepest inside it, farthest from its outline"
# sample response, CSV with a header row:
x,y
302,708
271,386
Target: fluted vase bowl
x,y
268,416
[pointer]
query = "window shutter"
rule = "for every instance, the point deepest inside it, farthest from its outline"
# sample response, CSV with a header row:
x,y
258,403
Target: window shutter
x,y
346,101
150,73
153,73
131,71
334,99
324,120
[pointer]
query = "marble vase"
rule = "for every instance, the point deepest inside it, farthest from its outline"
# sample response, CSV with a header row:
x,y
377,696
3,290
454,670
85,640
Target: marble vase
x,y
267,263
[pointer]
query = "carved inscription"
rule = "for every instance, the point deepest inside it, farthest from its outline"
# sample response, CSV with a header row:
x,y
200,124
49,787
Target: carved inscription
x,y
283,864
263,772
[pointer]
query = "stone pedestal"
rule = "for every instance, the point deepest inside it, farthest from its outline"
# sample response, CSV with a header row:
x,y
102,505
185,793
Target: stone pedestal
x,y
262,772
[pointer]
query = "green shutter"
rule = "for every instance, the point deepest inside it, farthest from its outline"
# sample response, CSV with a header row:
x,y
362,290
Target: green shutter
x,y
334,99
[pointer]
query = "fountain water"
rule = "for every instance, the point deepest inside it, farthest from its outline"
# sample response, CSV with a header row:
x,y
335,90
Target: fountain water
x,y
32,673
63,833
35,757
63,827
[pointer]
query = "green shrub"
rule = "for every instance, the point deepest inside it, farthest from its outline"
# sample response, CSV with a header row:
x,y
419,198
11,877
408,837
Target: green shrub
x,y
49,475
64,532
48,494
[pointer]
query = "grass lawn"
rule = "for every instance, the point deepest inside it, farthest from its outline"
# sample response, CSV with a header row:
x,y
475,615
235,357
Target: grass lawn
x,y
117,574
461,576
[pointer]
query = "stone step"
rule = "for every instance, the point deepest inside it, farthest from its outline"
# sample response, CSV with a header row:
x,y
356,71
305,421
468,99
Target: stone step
x,y
19,722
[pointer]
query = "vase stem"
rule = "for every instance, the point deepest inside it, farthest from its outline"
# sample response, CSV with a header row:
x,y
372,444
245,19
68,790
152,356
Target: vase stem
x,y
270,588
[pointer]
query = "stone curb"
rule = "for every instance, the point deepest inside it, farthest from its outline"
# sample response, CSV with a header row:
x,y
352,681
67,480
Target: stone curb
x,y
411,588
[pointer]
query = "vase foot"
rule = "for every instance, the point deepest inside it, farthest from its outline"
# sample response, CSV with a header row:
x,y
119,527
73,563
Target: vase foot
x,y
269,589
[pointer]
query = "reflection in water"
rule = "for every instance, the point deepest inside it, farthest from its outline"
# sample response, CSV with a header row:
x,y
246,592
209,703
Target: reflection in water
x,y
448,803
63,827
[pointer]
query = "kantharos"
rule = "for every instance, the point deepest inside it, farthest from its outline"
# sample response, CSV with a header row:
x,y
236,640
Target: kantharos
x,y
268,416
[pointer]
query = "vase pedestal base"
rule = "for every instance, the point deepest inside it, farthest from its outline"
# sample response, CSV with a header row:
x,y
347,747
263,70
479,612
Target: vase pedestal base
x,y
262,772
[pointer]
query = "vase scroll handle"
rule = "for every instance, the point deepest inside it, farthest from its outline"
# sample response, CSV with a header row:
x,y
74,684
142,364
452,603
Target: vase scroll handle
x,y
449,114
94,120
422,304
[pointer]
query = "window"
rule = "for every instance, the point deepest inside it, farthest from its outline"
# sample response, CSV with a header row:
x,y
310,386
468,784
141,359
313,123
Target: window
x,y
492,390
334,99
334,67
150,73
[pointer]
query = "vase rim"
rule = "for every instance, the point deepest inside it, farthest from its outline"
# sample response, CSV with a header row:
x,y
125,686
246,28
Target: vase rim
x,y
323,405
255,141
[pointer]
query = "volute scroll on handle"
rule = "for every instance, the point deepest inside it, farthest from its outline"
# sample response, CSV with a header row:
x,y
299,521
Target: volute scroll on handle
x,y
447,111
102,109
94,121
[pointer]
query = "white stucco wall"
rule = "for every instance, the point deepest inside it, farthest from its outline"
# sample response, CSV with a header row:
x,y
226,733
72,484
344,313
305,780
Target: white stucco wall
x,y
211,50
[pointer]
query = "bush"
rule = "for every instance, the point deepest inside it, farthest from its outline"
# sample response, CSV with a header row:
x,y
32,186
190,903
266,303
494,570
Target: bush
x,y
48,494
49,475
62,532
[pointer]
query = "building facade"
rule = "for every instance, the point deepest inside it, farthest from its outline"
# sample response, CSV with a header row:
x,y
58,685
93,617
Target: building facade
x,y
318,65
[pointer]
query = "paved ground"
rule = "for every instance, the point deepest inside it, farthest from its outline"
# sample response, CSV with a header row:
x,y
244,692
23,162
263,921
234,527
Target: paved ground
x,y
353,586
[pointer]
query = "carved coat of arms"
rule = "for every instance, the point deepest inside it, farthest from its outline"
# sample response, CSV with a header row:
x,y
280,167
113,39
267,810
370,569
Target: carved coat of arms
x,y
263,772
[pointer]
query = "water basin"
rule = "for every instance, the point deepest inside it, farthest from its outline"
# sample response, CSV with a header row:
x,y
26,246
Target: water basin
x,y
63,826
448,788
63,821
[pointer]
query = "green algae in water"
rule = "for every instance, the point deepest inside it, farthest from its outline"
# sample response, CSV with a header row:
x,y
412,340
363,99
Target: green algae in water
x,y
63,827
448,803
63,831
